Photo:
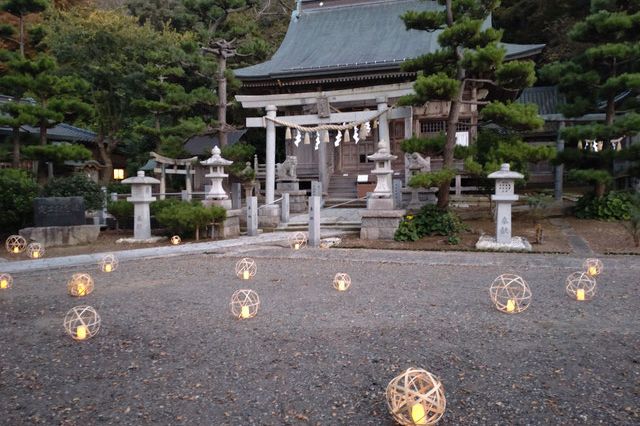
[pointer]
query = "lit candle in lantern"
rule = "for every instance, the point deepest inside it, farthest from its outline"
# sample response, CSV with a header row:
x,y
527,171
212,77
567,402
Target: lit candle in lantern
x,y
4,283
245,275
36,254
82,290
342,285
418,414
244,312
592,270
580,294
107,267
16,250
81,332
511,305
296,246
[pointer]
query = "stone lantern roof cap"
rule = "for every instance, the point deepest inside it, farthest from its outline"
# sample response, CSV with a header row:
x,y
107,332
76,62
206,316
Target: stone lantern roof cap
x,y
216,159
140,179
505,173
382,154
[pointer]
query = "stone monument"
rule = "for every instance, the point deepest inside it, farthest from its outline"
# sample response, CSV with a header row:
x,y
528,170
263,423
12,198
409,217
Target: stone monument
x,y
218,196
416,164
381,219
141,198
504,196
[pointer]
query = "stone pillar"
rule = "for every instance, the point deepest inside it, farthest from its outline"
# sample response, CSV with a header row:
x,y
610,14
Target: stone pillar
x,y
314,221
217,195
141,198
271,155
284,208
397,193
559,169
236,196
383,123
322,162
163,181
252,216
187,181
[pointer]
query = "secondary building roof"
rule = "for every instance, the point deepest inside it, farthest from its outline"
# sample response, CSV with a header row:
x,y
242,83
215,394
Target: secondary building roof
x,y
61,132
343,39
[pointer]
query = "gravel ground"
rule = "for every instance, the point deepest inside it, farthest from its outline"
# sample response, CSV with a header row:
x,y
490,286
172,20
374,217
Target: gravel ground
x,y
170,353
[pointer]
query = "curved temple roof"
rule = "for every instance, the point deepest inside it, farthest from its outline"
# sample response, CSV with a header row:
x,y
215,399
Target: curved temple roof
x,y
344,39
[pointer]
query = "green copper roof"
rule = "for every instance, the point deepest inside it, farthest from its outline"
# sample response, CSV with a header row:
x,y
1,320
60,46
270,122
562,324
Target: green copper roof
x,y
344,39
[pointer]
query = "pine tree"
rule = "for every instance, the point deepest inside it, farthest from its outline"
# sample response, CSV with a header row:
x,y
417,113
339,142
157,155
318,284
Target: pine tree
x,y
20,9
606,76
470,58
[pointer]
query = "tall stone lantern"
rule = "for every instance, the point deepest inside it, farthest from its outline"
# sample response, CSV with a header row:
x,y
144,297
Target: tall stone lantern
x,y
141,198
216,194
504,197
382,196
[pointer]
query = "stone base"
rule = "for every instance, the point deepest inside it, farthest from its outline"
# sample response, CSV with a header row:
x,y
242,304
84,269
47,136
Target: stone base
x,y
380,203
298,201
140,241
380,224
211,202
487,242
52,236
269,216
231,226
288,185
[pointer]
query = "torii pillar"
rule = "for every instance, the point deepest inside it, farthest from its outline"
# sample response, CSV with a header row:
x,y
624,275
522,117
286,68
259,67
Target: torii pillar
x,y
269,214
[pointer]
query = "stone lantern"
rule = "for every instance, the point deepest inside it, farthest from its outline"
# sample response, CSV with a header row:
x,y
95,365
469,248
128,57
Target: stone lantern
x,y
382,196
216,194
141,198
504,197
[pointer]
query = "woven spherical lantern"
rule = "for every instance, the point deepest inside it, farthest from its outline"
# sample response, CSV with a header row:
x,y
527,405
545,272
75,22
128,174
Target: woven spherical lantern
x,y
15,244
82,322
246,268
175,240
109,263
581,286
80,284
416,397
510,293
35,250
298,241
6,281
341,281
245,304
593,266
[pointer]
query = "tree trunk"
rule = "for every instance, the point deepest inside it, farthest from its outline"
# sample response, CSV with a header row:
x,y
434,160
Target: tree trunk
x,y
222,99
105,156
15,160
611,110
43,131
600,189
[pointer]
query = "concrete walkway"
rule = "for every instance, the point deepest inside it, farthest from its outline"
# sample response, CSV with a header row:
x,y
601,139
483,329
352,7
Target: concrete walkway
x,y
330,216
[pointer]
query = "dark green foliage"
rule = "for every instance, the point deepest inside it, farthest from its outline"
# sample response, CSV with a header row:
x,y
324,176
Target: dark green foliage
x,y
612,206
57,154
514,116
240,154
430,220
426,146
188,218
633,226
17,191
118,188
122,210
428,180
159,205
77,185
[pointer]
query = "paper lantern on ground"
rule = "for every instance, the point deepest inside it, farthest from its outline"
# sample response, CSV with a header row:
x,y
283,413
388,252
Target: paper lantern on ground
x,y
109,263
510,294
341,281
581,286
35,250
6,281
175,240
245,304
246,268
15,244
298,241
80,285
416,397
593,267
82,322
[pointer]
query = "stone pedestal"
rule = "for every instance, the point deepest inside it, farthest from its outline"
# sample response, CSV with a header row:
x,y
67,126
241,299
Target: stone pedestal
x,y
380,224
52,236
288,185
141,198
297,201
231,226
269,216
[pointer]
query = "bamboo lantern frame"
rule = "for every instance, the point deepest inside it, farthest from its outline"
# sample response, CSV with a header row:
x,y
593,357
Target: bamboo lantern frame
x,y
6,281
85,317
298,240
581,286
15,244
175,240
342,281
109,263
246,268
35,250
245,304
416,387
80,284
510,294
593,267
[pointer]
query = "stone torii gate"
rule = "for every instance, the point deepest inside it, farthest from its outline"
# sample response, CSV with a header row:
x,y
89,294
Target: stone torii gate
x,y
171,166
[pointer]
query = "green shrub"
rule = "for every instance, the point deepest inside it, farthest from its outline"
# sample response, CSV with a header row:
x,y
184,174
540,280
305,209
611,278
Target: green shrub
x,y
77,185
118,188
122,210
430,220
612,206
188,218
159,205
17,191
